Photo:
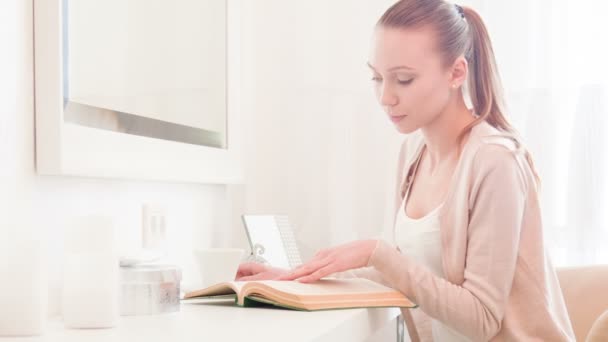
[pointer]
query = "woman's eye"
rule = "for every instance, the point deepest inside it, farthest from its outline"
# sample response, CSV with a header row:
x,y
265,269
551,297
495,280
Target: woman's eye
x,y
405,82
376,79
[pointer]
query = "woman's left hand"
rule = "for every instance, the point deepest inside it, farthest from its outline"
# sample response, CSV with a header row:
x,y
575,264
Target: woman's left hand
x,y
337,259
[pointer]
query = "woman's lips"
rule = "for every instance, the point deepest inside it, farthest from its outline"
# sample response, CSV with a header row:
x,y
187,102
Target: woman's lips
x,y
396,119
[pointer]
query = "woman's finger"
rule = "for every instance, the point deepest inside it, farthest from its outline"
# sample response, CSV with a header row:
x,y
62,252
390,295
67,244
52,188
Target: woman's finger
x,y
314,259
249,269
320,273
323,253
306,269
258,276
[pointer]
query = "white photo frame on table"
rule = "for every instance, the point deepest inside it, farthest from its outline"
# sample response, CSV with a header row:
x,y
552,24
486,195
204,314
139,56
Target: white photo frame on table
x,y
68,149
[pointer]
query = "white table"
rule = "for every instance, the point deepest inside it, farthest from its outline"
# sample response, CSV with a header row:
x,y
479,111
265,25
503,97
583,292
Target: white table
x,y
220,320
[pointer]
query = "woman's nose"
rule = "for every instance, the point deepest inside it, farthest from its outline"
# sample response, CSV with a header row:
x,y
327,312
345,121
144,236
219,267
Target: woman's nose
x,y
388,97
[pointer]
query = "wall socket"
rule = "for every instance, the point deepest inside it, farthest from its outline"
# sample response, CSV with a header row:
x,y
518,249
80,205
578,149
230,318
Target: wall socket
x,y
154,228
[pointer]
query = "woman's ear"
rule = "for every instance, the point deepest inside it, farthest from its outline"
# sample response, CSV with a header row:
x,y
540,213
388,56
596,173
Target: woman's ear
x,y
458,72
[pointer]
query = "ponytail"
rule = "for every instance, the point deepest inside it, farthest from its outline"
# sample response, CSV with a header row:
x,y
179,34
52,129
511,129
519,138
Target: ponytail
x,y
484,85
484,81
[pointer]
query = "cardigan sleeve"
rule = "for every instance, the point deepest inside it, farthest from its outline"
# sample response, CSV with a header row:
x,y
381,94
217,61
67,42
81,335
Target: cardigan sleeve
x,y
476,307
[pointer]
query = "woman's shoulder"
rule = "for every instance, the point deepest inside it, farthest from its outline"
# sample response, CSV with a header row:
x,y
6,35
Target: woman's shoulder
x,y
489,144
490,149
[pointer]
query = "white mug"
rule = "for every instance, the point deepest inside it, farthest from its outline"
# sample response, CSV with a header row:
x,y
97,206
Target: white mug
x,y
218,265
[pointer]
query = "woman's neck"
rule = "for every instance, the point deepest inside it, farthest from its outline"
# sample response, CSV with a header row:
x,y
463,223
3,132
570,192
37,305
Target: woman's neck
x,y
442,135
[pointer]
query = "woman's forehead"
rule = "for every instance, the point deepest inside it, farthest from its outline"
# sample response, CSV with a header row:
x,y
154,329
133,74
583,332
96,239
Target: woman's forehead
x,y
392,47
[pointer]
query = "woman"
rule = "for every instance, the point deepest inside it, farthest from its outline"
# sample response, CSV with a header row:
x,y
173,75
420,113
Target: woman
x,y
467,244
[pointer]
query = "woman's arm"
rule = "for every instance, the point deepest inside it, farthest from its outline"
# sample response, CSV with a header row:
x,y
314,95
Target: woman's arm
x,y
475,308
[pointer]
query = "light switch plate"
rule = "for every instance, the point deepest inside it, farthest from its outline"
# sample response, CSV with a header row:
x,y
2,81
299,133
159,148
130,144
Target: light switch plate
x,y
154,227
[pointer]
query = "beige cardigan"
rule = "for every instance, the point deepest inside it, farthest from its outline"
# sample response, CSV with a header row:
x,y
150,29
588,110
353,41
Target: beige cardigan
x,y
499,282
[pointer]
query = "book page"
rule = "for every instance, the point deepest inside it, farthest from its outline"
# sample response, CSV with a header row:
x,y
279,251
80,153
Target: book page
x,y
329,287
226,288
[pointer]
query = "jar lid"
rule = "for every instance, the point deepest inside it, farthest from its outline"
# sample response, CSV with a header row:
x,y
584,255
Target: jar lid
x,y
151,273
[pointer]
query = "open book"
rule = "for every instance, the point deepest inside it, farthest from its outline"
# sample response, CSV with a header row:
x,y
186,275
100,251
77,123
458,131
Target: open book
x,y
322,295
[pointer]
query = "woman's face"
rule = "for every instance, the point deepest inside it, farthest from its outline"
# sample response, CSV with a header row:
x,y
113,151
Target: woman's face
x,y
410,81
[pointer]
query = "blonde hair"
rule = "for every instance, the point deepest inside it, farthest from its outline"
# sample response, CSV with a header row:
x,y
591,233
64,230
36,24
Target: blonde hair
x,y
461,31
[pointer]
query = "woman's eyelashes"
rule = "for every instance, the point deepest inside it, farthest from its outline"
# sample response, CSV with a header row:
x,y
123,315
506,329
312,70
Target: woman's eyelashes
x,y
400,81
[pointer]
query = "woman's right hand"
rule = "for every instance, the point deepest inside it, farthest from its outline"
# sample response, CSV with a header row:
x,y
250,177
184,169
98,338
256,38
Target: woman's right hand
x,y
256,271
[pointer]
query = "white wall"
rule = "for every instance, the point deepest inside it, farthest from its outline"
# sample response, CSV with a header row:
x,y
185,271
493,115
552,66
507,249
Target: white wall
x,y
44,206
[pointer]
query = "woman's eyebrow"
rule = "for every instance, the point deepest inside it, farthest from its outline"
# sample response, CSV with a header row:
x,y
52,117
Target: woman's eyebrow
x,y
393,68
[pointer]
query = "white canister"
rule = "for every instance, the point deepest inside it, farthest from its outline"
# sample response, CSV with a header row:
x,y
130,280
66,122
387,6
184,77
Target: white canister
x,y
90,282
24,288
149,289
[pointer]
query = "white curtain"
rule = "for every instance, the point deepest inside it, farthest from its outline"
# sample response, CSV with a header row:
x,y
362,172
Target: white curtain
x,y
552,57
320,149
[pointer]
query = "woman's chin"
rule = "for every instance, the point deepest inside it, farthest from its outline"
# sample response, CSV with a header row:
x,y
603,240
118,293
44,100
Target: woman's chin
x,y
403,129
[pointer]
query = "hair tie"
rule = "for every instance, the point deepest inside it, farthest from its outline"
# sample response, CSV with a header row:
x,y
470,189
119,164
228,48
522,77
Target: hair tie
x,y
460,10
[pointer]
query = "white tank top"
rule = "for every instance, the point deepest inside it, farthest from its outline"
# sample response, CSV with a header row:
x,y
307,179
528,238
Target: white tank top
x,y
421,240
